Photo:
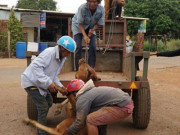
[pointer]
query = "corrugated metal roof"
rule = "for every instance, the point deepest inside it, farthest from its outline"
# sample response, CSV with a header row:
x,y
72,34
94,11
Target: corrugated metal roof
x,y
39,11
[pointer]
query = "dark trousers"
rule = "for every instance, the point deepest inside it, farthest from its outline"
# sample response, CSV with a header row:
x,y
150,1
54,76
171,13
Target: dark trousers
x,y
102,129
92,50
43,104
115,10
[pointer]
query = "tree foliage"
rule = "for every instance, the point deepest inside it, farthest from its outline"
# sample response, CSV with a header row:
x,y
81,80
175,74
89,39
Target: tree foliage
x,y
37,4
3,41
15,28
164,16
47,5
27,4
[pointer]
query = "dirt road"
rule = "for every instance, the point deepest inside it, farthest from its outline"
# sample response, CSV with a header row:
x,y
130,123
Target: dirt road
x,y
164,78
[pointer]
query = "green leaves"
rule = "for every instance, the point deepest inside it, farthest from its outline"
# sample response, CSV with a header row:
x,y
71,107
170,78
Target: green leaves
x,y
162,24
164,16
47,5
3,40
27,4
37,4
15,29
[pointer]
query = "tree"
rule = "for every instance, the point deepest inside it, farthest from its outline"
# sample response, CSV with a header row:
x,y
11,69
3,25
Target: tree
x,y
37,4
3,40
27,4
15,28
47,5
164,16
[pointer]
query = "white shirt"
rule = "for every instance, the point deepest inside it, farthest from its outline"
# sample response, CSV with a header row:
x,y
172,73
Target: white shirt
x,y
43,70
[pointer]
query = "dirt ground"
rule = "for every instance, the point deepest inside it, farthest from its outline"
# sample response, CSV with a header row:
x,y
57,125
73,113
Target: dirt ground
x,y
164,78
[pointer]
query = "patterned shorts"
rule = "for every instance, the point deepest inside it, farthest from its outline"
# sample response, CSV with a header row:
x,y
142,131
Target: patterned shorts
x,y
110,114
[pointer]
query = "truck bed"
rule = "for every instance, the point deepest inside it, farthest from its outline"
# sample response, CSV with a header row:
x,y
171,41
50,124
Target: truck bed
x,y
105,76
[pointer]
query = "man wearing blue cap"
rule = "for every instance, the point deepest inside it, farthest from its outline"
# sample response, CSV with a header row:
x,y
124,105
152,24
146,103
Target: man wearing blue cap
x,y
40,76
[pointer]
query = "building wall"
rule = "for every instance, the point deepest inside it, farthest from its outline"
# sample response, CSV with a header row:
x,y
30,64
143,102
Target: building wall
x,y
30,34
4,15
3,25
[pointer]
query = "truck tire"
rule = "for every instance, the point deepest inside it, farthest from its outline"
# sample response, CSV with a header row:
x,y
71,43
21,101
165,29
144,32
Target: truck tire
x,y
31,109
142,106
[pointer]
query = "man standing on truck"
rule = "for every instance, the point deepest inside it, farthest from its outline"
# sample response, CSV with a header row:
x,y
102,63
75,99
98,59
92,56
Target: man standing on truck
x,y
97,106
84,23
113,8
40,76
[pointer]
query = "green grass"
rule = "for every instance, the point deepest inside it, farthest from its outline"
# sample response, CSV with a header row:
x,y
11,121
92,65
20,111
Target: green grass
x,y
170,45
173,44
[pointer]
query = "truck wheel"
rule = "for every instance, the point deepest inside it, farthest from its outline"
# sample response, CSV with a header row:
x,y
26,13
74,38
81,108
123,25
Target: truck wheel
x,y
142,106
31,109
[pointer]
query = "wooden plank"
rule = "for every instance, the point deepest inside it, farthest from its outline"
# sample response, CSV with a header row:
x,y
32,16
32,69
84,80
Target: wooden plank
x,y
144,54
115,28
135,18
121,20
104,45
124,36
114,38
105,76
9,48
145,69
115,84
69,27
127,66
133,75
29,54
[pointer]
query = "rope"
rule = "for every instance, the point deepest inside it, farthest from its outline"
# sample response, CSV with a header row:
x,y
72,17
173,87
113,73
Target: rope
x,y
86,59
86,53
111,30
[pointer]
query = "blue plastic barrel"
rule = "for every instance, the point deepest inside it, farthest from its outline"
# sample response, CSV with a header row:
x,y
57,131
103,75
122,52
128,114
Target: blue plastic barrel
x,y
20,49
42,46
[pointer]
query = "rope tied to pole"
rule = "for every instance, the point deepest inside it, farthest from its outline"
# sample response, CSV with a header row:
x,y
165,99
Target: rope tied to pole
x,y
86,53
111,30
86,58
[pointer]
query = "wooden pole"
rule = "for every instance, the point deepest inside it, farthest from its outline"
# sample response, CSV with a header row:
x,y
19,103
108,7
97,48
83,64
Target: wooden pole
x,y
9,48
38,39
139,42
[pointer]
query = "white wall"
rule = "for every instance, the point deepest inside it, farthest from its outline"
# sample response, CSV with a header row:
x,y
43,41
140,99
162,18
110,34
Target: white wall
x,y
30,34
4,15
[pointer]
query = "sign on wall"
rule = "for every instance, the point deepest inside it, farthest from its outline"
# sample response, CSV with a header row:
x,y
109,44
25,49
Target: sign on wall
x,y
43,20
30,20
142,26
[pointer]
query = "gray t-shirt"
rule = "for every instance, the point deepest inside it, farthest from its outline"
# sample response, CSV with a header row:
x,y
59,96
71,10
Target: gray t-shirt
x,y
94,99
84,17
